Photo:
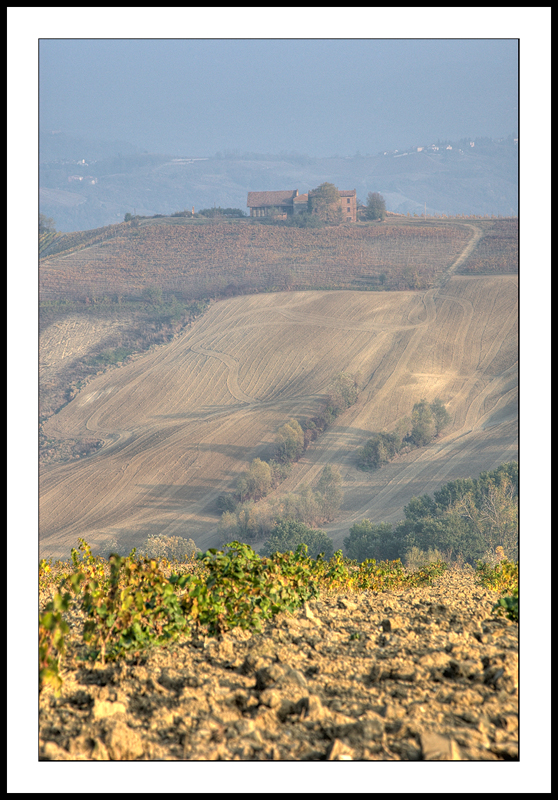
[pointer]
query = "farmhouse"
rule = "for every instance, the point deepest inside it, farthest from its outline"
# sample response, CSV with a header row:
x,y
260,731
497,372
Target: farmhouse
x,y
349,204
261,203
288,202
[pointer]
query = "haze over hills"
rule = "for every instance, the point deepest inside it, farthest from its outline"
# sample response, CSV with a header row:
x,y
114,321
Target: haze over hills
x,y
88,183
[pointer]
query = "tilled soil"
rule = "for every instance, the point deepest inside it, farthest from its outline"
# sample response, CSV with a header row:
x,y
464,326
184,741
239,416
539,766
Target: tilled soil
x,y
421,674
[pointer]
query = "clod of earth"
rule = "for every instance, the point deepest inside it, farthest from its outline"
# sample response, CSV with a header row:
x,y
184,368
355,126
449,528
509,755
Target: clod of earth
x,y
432,675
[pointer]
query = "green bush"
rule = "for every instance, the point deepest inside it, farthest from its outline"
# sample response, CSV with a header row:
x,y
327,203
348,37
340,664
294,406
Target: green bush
x,y
108,357
378,450
217,212
256,482
366,540
226,503
503,578
427,421
508,606
304,220
290,441
52,630
136,607
172,548
243,589
287,535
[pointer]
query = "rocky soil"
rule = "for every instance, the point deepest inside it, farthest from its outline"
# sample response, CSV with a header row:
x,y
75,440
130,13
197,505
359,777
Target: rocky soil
x,y
422,674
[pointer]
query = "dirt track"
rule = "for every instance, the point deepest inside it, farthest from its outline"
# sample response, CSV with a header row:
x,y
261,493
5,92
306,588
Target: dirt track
x,y
180,424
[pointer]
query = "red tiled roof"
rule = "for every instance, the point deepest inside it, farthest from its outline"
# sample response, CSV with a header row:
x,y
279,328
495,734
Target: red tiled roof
x,y
256,199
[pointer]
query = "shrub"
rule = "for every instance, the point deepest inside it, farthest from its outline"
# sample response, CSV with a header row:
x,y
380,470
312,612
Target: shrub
x,y
52,630
304,220
440,414
243,589
328,492
423,429
256,482
226,502
153,295
378,450
220,212
508,606
367,540
290,441
287,535
172,548
428,420
108,357
136,607
416,559
228,526
502,578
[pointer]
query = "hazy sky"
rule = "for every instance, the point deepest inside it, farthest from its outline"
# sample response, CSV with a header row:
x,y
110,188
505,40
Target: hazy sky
x,y
316,96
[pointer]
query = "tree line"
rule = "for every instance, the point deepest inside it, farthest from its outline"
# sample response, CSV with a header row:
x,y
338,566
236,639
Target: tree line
x,y
466,521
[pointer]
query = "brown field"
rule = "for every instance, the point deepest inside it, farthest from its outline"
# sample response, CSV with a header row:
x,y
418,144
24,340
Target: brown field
x,y
66,342
498,252
198,261
180,423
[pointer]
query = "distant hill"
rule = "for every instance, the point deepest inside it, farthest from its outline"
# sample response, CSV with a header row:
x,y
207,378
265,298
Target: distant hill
x,y
85,184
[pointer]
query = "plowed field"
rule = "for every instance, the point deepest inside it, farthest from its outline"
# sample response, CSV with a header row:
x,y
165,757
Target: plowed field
x,y
182,422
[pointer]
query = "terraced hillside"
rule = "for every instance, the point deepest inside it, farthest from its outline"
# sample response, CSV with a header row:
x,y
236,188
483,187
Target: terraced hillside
x,y
180,423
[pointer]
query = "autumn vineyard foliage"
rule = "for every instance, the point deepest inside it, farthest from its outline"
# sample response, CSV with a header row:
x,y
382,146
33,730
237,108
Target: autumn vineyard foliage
x,y
497,252
128,604
52,243
235,257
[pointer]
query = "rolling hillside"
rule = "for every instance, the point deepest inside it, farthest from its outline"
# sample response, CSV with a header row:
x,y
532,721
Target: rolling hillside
x,y
189,260
180,423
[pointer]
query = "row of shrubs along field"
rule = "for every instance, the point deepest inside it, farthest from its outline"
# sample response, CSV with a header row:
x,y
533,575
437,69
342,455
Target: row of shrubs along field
x,y
130,604
248,514
231,257
52,242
